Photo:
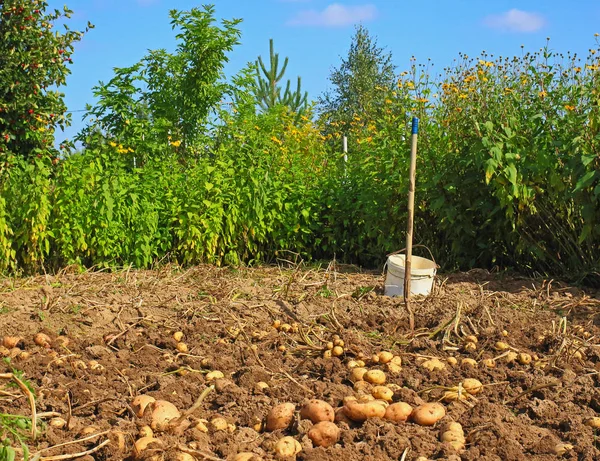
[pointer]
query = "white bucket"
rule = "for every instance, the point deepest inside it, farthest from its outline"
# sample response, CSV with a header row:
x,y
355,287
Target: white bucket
x,y
422,273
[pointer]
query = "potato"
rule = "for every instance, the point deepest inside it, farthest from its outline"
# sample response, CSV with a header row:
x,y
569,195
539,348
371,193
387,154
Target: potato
x,y
324,434
453,434
471,339
561,448
472,386
57,423
140,402
218,424
593,422
524,359
452,360
145,431
357,374
470,347
144,444
341,417
216,374
182,347
42,339
247,456
317,410
11,342
428,414
385,357
337,351
163,413
360,412
362,387
393,368
397,360
453,396
469,363
287,447
398,412
382,393
501,346
434,364
280,416
490,363
178,336
374,376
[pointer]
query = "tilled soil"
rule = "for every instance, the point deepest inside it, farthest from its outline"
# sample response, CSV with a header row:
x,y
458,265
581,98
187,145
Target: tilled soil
x,y
112,338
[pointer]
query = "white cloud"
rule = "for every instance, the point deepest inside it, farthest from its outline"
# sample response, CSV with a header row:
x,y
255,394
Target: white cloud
x,y
515,21
335,15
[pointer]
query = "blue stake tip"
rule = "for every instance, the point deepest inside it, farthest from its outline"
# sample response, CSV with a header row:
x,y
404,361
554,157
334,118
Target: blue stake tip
x,y
415,125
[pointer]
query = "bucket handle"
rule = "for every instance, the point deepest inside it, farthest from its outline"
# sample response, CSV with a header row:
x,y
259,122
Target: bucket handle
x,y
415,246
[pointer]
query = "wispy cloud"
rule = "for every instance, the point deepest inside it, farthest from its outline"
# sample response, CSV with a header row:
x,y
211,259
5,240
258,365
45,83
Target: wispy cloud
x,y
515,21
335,15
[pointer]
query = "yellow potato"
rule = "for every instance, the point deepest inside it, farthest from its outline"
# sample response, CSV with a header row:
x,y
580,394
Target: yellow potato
x,y
280,416
524,359
375,377
428,414
434,364
593,422
469,363
287,447
163,413
472,386
357,374
247,456
393,368
142,445
385,357
317,411
382,393
360,412
140,403
324,434
398,412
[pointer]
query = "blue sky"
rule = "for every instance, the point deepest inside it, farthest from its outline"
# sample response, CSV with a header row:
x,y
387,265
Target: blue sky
x,y
314,34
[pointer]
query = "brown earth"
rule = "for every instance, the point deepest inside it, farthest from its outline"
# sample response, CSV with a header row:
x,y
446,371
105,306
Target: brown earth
x,y
120,327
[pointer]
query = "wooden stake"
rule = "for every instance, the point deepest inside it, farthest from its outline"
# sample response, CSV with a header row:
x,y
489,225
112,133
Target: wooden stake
x,y
411,217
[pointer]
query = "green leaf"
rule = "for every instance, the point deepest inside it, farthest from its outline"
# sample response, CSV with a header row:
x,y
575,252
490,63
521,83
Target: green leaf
x,y
585,181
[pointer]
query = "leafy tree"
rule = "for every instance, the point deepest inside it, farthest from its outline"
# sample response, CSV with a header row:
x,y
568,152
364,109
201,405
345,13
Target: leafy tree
x,y
268,91
166,99
34,63
358,82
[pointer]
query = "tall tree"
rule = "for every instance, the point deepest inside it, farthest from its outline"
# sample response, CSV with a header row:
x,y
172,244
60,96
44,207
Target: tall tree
x,y
268,91
34,64
358,82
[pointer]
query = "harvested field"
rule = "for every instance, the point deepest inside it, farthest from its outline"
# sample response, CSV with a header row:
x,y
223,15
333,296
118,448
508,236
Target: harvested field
x,y
112,337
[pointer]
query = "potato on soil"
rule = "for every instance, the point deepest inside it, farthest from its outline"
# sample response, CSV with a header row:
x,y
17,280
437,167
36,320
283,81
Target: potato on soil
x,y
382,393
324,434
398,412
593,422
317,410
385,357
472,386
561,448
11,341
280,416
247,456
428,414
453,434
216,374
163,413
360,412
287,447
357,374
140,402
144,444
374,377
434,364
42,340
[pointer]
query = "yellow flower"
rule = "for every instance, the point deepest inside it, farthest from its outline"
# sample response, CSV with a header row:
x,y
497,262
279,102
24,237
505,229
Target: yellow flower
x,y
462,96
276,140
577,69
113,144
411,84
256,127
176,143
542,94
369,139
569,107
388,101
126,122
591,67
